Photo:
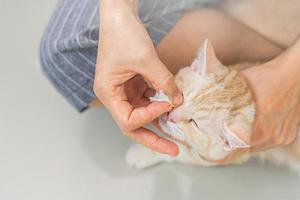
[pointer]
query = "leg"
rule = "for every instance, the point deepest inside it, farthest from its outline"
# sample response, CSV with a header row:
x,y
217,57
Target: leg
x,y
233,41
68,50
140,157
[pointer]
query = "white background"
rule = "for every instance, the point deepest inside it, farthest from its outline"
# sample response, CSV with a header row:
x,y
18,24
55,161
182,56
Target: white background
x,y
49,151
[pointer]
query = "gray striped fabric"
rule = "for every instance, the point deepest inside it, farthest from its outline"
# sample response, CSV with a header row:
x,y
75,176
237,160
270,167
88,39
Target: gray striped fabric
x,y
69,45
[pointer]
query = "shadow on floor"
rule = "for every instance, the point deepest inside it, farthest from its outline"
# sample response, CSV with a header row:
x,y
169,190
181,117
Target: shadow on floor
x,y
106,147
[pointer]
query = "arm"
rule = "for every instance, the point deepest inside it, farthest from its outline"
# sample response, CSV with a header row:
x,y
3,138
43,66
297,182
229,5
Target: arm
x,y
126,51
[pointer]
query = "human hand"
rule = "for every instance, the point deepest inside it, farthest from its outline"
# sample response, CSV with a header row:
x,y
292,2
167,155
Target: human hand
x,y
276,89
126,51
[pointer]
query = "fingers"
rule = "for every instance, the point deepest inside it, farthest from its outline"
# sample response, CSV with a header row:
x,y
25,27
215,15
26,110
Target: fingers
x,y
137,117
130,118
154,142
261,135
268,139
156,125
161,79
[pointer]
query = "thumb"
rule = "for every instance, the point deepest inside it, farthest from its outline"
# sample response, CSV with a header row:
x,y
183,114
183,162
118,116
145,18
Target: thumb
x,y
158,75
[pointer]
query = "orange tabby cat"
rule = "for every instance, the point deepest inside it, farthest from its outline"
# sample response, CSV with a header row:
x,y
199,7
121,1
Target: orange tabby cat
x,y
213,125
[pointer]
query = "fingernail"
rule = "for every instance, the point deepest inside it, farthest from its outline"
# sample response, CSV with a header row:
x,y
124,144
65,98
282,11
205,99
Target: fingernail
x,y
177,99
170,107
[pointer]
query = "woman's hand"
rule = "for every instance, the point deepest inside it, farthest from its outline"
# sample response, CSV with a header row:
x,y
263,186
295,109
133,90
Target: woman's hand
x,y
126,51
276,88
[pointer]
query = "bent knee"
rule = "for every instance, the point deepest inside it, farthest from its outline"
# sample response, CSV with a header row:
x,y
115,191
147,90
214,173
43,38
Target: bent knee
x,y
188,35
69,69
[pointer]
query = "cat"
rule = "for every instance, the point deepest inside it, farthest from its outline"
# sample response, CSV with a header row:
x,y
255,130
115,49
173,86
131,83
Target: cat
x,y
213,125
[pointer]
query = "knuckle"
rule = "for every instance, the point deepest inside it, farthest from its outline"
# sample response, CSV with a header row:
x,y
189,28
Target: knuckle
x,y
165,80
277,142
124,123
167,77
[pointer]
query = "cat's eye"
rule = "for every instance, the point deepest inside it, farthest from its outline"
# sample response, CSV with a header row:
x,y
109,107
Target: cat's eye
x,y
193,121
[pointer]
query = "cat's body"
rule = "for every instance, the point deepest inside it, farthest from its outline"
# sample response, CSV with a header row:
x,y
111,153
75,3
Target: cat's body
x,y
213,126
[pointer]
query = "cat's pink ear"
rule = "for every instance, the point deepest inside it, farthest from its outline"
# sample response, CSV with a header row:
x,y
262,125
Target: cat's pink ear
x,y
237,135
206,61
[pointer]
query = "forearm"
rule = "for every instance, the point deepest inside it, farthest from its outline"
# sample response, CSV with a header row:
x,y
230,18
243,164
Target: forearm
x,y
116,17
116,7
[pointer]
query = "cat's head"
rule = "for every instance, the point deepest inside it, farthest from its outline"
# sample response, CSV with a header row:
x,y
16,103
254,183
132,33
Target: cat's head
x,y
218,110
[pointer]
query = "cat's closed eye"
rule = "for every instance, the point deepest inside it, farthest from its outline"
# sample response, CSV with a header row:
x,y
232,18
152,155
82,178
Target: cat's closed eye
x,y
194,122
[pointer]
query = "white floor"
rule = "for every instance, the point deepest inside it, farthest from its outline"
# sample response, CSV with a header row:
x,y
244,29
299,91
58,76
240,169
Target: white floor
x,y
48,151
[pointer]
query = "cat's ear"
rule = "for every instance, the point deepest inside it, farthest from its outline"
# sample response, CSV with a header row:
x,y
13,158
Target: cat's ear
x,y
206,61
237,135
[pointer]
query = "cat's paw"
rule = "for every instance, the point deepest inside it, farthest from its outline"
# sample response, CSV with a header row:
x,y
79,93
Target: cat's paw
x,y
140,157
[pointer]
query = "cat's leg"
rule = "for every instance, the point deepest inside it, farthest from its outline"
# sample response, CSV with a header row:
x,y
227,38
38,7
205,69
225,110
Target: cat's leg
x,y
287,156
281,157
140,157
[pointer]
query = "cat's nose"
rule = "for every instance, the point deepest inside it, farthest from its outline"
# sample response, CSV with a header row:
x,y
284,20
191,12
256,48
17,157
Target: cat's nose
x,y
173,116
